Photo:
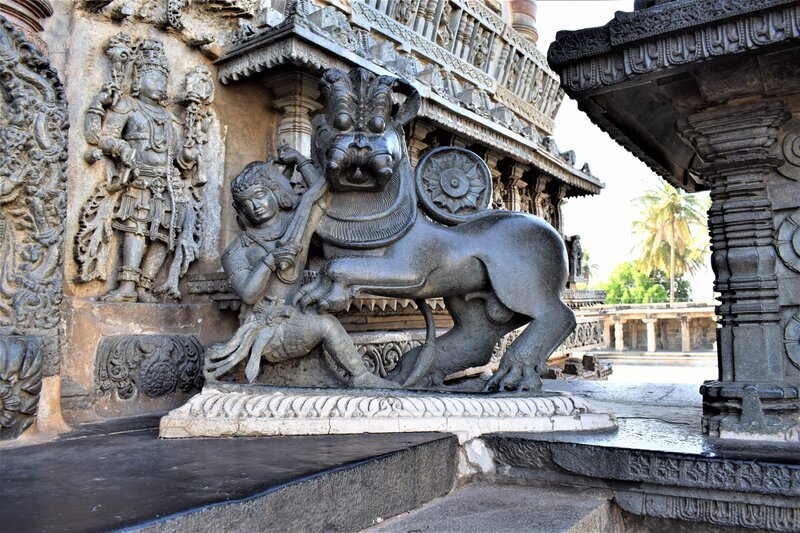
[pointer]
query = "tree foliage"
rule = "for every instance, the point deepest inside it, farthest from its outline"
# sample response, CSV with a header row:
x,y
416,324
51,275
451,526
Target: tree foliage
x,y
672,233
627,284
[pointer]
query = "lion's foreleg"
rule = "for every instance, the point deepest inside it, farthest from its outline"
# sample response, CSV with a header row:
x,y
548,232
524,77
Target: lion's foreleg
x,y
346,277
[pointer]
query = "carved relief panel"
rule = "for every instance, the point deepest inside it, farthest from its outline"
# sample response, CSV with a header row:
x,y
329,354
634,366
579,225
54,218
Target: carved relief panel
x,y
144,221
33,122
152,365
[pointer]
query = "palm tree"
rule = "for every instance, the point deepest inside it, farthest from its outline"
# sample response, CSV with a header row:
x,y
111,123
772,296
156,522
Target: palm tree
x,y
673,233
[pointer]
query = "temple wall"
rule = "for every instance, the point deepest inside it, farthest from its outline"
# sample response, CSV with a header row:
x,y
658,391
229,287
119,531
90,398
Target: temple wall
x,y
128,337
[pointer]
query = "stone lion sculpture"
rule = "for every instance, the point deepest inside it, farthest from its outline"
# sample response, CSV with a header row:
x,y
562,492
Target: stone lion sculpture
x,y
496,270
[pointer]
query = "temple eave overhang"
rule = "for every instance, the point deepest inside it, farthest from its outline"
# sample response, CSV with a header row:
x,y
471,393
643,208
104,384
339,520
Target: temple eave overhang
x,y
293,43
643,69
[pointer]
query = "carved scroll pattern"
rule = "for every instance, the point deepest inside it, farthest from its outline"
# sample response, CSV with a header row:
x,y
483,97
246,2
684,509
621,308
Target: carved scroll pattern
x,y
153,365
383,357
33,159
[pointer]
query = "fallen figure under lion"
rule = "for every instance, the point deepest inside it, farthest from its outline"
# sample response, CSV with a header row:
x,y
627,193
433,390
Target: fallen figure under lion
x,y
496,270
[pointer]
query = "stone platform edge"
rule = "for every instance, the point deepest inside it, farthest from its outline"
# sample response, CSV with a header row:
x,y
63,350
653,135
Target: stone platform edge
x,y
223,410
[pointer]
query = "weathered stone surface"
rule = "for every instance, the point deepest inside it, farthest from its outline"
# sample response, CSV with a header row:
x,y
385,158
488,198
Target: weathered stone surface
x,y
130,478
512,508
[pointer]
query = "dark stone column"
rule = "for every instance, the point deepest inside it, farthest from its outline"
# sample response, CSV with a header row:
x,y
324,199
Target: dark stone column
x,y
753,395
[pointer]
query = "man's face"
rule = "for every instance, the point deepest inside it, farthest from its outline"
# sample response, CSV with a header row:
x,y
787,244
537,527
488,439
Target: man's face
x,y
153,86
258,204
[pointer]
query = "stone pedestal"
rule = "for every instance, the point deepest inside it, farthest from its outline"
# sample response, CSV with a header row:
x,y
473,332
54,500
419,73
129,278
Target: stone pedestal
x,y
226,410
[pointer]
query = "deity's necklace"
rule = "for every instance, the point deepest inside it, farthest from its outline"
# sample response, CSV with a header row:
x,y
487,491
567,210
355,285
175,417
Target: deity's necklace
x,y
153,121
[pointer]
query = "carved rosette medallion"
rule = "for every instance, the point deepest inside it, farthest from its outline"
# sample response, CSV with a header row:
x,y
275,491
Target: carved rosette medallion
x,y
154,365
791,338
453,184
787,241
790,150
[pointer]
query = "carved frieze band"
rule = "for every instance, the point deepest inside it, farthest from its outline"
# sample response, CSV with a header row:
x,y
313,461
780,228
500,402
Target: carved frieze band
x,y
727,513
689,46
153,365
310,405
637,25
585,334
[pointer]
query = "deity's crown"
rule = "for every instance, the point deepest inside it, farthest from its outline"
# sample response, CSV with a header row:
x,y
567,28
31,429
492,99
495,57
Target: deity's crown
x,y
150,56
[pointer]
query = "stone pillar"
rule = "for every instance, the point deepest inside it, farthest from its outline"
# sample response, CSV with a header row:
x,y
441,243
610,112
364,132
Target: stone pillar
x,y
295,96
686,334
619,334
633,332
735,145
517,187
498,186
607,323
651,333
523,18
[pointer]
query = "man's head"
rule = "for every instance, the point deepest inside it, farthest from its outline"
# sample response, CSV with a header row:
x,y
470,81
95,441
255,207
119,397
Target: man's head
x,y
259,192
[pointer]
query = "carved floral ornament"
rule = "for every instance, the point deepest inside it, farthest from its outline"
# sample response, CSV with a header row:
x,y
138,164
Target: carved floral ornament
x,y
453,184
790,150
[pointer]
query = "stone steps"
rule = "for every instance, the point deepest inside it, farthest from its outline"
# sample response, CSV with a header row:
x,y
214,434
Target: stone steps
x,y
119,475
482,507
721,488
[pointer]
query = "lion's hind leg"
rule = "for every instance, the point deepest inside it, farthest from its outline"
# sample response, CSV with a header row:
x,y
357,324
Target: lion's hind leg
x,y
526,357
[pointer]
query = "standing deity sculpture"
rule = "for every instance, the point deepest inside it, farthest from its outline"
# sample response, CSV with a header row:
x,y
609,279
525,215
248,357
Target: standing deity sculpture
x,y
150,197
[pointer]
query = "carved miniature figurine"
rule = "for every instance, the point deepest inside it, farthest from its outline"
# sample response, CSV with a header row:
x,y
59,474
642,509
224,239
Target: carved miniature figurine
x,y
152,162
263,266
